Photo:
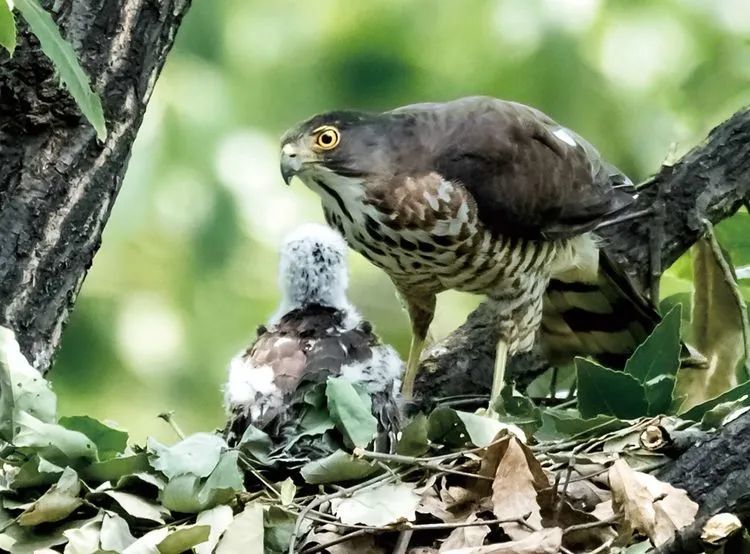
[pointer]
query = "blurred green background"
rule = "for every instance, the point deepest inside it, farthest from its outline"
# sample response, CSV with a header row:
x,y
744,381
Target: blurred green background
x,y
187,268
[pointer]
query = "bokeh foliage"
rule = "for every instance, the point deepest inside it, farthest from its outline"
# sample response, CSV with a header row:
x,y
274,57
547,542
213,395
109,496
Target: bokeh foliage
x,y
187,268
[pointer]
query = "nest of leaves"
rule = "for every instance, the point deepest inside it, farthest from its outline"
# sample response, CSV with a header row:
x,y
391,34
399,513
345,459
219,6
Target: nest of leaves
x,y
572,478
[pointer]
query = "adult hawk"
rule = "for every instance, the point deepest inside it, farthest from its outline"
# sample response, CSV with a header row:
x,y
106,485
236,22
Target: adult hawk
x,y
478,195
315,334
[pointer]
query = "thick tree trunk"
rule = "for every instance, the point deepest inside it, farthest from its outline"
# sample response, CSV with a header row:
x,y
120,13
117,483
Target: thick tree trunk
x,y
57,182
710,183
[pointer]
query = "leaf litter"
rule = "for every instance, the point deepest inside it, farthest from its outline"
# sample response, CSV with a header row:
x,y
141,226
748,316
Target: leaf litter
x,y
458,483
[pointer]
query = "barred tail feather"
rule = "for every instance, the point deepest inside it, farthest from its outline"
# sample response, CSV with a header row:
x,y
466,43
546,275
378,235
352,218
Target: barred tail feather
x,y
606,318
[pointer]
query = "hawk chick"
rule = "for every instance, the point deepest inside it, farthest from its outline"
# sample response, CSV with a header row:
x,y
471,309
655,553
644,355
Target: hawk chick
x,y
314,334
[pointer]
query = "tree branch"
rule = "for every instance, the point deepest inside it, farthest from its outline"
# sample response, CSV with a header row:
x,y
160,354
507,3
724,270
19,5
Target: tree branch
x,y
57,182
711,182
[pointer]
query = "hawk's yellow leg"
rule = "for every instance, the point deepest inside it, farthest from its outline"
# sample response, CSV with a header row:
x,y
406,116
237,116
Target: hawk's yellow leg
x,y
412,367
498,377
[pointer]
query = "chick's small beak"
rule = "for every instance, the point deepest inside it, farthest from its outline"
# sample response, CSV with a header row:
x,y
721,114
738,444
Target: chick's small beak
x,y
290,162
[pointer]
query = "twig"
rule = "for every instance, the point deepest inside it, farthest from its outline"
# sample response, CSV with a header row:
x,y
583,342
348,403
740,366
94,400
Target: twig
x,y
249,466
603,547
576,479
382,478
334,542
169,418
410,460
403,541
432,526
626,217
591,525
561,501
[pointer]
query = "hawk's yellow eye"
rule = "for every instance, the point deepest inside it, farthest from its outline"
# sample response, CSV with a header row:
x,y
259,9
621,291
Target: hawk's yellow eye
x,y
327,138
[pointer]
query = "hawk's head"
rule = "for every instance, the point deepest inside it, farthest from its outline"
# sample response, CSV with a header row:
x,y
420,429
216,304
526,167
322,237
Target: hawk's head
x,y
346,144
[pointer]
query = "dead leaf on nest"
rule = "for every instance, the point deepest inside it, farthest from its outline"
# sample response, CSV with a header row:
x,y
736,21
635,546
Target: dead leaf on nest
x,y
564,515
358,545
546,541
378,506
649,506
464,537
518,478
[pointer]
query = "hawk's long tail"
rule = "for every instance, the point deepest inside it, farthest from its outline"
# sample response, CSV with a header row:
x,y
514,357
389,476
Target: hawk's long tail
x,y
606,318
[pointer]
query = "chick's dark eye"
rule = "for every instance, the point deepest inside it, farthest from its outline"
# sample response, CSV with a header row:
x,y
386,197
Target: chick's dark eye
x,y
327,138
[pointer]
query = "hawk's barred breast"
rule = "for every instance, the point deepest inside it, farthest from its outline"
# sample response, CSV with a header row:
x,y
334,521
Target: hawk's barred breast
x,y
478,195
426,234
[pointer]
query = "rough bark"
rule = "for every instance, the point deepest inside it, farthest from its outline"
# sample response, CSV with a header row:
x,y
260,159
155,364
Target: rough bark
x,y
57,182
716,475
710,183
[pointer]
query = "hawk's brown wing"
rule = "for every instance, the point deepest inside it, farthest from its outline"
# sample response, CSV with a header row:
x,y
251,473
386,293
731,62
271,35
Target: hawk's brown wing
x,y
529,176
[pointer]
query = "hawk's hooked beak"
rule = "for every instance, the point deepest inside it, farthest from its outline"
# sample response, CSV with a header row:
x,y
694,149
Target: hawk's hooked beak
x,y
290,162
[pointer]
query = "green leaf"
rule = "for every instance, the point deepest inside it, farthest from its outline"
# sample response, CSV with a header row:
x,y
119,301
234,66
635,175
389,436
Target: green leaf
x,y
659,394
218,519
459,429
224,482
257,444
181,494
352,416
7,27
115,535
22,388
34,472
53,442
287,492
378,506
483,430
182,539
57,503
714,418
84,539
64,58
445,427
137,507
696,413
278,527
28,540
109,441
559,424
245,533
337,467
316,421
659,354
115,468
190,494
604,391
414,440
197,455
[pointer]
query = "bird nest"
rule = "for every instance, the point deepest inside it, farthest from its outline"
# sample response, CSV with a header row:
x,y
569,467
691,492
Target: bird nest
x,y
531,480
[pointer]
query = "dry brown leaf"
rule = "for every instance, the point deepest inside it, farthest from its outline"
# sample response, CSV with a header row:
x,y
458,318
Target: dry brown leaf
x,y
719,320
358,545
585,495
463,537
719,527
565,515
546,541
450,505
488,467
517,481
649,506
604,511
